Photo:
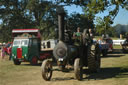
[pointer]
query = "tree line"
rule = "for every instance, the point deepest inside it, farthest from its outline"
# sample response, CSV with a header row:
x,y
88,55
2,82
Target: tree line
x,y
41,14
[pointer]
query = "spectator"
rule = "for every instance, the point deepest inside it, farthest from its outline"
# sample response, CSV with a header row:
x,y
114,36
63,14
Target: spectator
x,y
78,37
2,52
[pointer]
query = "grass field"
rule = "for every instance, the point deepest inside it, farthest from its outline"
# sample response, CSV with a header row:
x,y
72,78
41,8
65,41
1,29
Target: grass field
x,y
117,47
114,71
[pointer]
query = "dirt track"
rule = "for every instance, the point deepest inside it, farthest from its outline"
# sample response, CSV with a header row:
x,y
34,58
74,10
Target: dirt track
x,y
114,71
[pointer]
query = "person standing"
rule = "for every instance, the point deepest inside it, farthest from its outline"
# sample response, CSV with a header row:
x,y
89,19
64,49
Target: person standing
x,y
2,52
77,37
91,35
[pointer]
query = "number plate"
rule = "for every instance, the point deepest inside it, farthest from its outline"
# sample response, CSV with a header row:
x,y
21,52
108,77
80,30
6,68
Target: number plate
x,y
60,59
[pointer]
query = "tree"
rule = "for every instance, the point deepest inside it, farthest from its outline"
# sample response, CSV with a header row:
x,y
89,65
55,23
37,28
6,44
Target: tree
x,y
13,15
78,20
93,7
42,14
103,28
100,26
16,14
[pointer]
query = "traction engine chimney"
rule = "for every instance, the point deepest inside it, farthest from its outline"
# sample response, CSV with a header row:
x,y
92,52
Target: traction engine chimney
x,y
61,13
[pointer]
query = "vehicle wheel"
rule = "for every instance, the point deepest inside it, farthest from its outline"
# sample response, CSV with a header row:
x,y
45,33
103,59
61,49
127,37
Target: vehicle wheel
x,y
34,60
78,69
97,59
94,58
46,70
16,62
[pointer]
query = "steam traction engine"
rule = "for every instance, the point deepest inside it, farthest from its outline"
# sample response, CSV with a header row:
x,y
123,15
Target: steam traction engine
x,y
87,54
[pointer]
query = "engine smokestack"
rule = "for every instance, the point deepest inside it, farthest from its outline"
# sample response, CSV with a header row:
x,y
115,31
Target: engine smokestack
x,y
61,14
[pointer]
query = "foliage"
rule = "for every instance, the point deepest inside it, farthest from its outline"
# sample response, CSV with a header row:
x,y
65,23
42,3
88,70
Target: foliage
x,y
17,14
101,28
44,16
13,15
78,20
93,7
41,14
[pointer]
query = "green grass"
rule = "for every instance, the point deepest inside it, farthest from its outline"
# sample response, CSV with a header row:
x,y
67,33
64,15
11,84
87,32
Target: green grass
x,y
117,47
114,71
113,38
15,73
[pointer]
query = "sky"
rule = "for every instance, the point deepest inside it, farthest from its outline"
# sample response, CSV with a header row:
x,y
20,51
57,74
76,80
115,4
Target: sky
x,y
121,18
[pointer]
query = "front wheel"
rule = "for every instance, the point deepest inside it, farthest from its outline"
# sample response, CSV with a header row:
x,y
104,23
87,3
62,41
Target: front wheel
x,y
46,70
78,69
16,62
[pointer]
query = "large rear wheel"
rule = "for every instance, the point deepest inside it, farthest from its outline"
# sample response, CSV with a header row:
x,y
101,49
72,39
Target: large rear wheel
x,y
94,59
46,69
78,69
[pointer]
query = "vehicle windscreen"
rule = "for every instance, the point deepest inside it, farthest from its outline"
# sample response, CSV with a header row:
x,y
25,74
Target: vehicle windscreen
x,y
24,42
20,42
16,43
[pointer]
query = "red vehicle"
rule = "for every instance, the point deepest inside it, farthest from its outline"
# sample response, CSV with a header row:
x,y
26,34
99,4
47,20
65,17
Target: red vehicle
x,y
110,43
106,45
